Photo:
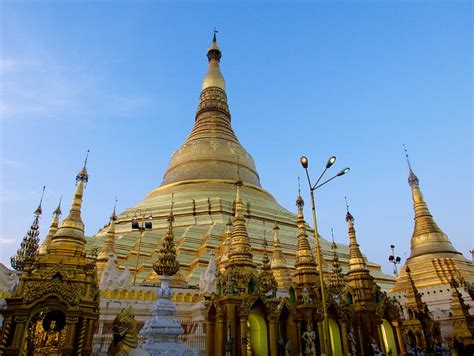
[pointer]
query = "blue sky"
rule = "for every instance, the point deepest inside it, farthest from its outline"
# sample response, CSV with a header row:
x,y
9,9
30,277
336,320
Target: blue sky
x,y
355,79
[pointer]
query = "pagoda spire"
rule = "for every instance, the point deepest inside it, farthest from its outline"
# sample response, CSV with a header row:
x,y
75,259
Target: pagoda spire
x,y
279,265
265,258
306,272
336,281
356,259
53,228
278,259
240,249
413,296
427,237
29,246
267,283
225,247
69,239
108,248
214,76
167,265
211,148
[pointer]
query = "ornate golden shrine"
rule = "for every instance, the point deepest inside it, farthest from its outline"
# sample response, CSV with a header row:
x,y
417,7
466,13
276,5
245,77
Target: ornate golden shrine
x,y
55,306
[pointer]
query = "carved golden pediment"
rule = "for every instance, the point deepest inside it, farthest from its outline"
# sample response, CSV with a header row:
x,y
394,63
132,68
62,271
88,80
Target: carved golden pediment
x,y
36,290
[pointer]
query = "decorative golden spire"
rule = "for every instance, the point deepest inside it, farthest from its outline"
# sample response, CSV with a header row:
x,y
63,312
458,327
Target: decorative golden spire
x,y
211,148
69,239
225,250
427,237
413,296
167,265
356,260
265,259
108,248
240,249
214,76
306,271
267,282
278,259
336,281
29,246
53,228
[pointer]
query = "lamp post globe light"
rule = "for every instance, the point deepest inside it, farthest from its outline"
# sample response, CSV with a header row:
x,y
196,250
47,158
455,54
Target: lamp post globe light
x,y
394,259
305,162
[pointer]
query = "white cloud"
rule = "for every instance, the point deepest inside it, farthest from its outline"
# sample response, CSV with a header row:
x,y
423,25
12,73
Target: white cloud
x,y
9,240
46,89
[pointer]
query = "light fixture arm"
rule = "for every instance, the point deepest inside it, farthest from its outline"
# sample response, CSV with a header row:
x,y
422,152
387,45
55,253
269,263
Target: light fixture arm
x,y
327,181
309,179
315,186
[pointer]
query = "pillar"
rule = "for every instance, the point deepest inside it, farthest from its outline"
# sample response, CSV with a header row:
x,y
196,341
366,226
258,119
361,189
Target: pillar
x,y
209,338
90,334
19,331
292,333
273,337
401,346
220,341
345,341
71,324
300,346
233,327
321,337
243,334
362,342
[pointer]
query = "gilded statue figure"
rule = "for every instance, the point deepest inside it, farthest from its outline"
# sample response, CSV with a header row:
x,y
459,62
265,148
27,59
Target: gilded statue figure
x,y
125,338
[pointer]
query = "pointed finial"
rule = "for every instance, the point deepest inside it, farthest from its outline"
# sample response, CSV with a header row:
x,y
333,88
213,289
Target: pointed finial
x,y
299,199
85,160
171,216
412,178
214,53
39,209
333,245
82,175
349,216
239,180
407,157
275,224
58,211
114,215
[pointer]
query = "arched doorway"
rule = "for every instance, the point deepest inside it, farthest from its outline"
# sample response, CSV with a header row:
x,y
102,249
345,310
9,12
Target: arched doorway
x,y
389,338
258,332
335,335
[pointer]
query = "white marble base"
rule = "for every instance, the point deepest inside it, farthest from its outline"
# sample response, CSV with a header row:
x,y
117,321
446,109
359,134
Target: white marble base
x,y
162,331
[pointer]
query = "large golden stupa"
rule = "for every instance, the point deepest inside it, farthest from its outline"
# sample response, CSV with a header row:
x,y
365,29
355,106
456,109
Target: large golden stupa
x,y
200,181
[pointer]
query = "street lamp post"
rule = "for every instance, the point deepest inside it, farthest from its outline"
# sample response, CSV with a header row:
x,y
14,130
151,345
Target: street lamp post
x,y
394,259
312,188
141,226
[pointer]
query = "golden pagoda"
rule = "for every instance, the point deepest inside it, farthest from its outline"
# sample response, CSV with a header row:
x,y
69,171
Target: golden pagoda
x,y
433,263
245,305
363,296
55,306
201,177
